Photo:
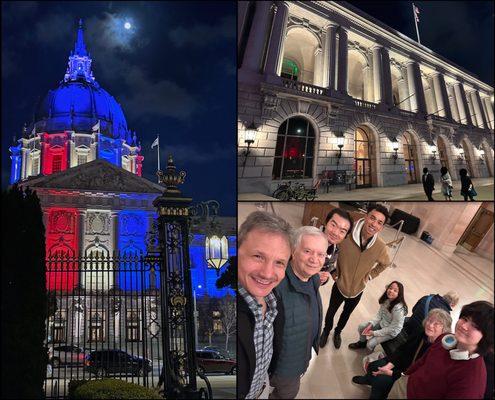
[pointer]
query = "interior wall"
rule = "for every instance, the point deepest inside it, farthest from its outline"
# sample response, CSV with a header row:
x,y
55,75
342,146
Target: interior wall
x,y
446,222
486,247
291,212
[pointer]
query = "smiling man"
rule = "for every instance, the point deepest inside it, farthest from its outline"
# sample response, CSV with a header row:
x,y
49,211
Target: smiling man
x,y
263,253
298,324
362,257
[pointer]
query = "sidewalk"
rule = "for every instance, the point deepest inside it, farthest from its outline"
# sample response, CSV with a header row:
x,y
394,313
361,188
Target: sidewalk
x,y
484,187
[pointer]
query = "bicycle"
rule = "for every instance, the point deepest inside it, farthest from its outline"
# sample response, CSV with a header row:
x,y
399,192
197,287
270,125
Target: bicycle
x,y
287,191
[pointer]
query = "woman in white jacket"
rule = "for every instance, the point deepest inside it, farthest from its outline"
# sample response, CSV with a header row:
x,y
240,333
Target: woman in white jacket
x,y
388,322
446,183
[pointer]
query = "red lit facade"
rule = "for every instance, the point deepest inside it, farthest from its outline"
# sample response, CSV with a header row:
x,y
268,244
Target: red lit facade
x,y
54,153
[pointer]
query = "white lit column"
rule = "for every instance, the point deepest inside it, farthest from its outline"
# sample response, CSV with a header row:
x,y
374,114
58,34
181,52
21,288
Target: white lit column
x,y
387,78
417,99
453,103
437,86
479,110
368,83
259,31
472,113
318,68
342,77
443,94
276,47
489,111
242,7
330,55
464,115
377,73
405,105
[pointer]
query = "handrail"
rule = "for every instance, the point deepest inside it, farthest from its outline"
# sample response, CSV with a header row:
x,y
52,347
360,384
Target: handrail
x,y
396,243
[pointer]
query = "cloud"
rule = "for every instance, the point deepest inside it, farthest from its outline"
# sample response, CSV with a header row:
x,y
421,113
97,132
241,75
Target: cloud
x,y
54,29
202,35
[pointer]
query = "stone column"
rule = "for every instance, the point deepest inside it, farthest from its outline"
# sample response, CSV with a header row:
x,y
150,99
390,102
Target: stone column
x,y
242,7
403,94
417,99
275,49
342,76
437,86
368,84
464,115
330,55
318,68
472,113
479,109
387,78
443,94
489,111
453,103
377,74
259,32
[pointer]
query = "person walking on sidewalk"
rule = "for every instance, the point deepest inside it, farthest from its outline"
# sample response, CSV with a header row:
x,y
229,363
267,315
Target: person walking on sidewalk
x,y
362,257
428,184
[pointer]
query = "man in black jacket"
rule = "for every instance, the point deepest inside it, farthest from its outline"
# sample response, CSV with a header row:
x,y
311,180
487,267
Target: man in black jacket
x,y
263,254
428,184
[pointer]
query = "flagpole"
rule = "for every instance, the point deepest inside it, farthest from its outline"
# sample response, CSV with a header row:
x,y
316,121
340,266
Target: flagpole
x,y
158,136
416,22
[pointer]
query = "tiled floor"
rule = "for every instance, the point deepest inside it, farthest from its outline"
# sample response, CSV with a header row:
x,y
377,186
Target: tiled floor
x,y
422,270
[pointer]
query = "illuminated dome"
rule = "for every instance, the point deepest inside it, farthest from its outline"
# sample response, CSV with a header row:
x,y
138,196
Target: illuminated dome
x,y
79,102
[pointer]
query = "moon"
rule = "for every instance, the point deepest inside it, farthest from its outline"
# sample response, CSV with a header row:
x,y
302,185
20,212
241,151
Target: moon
x,y
127,25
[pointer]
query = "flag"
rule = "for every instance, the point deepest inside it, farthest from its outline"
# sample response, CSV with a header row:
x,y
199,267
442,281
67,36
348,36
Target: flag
x,y
155,143
416,13
96,127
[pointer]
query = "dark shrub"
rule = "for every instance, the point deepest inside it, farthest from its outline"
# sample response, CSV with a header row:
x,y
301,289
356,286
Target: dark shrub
x,y
113,389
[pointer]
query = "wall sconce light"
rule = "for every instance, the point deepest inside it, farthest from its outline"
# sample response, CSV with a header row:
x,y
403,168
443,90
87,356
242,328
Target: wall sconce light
x,y
249,137
461,155
433,149
482,156
340,144
395,147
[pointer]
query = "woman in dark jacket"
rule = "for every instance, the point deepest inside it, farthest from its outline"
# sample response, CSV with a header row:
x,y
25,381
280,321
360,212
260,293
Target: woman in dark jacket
x,y
381,374
466,185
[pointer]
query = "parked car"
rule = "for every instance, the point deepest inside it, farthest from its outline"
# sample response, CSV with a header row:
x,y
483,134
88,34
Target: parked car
x,y
223,352
213,361
116,362
67,355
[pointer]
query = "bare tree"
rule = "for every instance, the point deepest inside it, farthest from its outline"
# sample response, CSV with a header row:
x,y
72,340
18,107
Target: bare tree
x,y
228,310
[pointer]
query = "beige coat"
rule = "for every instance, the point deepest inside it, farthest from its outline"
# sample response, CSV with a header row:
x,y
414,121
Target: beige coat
x,y
355,267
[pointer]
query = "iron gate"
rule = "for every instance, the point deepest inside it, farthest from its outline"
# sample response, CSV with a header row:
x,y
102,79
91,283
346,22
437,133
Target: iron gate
x,y
105,319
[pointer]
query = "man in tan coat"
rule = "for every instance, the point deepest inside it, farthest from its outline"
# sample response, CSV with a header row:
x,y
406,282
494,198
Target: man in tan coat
x,y
363,256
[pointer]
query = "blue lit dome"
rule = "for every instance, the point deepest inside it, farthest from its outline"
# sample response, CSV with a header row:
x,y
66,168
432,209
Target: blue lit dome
x,y
79,103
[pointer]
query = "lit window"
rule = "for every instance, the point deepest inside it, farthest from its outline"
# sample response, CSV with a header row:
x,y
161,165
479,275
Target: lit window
x,y
82,159
97,327
294,153
290,70
57,163
133,331
59,326
36,166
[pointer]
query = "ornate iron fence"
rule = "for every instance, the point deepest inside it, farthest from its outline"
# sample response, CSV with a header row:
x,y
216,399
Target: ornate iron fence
x,y
105,319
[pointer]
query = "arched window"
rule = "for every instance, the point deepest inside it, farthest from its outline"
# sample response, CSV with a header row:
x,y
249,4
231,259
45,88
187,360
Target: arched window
x,y
362,158
294,152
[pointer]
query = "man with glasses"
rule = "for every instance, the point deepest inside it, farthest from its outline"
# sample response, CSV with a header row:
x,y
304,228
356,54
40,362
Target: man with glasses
x,y
362,257
298,324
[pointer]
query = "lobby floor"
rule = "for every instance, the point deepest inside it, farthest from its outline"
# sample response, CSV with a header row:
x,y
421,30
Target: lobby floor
x,y
484,187
423,270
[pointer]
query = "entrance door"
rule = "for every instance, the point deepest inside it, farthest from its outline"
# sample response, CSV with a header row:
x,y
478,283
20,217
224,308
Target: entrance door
x,y
478,228
409,158
362,159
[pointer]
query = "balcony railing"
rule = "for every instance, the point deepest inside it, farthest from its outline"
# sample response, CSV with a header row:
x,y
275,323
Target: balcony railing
x,y
406,113
304,87
364,104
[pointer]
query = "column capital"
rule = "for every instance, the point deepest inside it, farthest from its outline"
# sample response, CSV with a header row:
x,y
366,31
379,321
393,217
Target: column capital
x,y
331,25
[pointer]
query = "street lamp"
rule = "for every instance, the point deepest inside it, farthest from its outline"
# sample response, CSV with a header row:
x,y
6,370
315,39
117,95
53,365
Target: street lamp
x,y
395,147
217,252
340,144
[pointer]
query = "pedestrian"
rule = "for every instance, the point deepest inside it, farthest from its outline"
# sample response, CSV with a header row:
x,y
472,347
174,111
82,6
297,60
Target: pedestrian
x,y
446,183
297,327
389,321
467,188
263,255
428,184
362,257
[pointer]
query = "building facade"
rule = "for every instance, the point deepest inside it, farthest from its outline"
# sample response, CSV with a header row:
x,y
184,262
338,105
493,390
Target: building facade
x,y
100,221
337,94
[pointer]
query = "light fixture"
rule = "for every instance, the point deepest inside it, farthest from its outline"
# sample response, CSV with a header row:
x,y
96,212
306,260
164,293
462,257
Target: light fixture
x,y
395,147
461,154
482,156
217,252
249,137
340,144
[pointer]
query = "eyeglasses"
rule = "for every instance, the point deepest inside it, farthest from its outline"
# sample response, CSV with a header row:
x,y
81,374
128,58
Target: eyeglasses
x,y
436,324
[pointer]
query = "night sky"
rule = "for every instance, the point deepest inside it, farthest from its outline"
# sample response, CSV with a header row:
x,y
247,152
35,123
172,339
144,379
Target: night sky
x,y
173,73
461,31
